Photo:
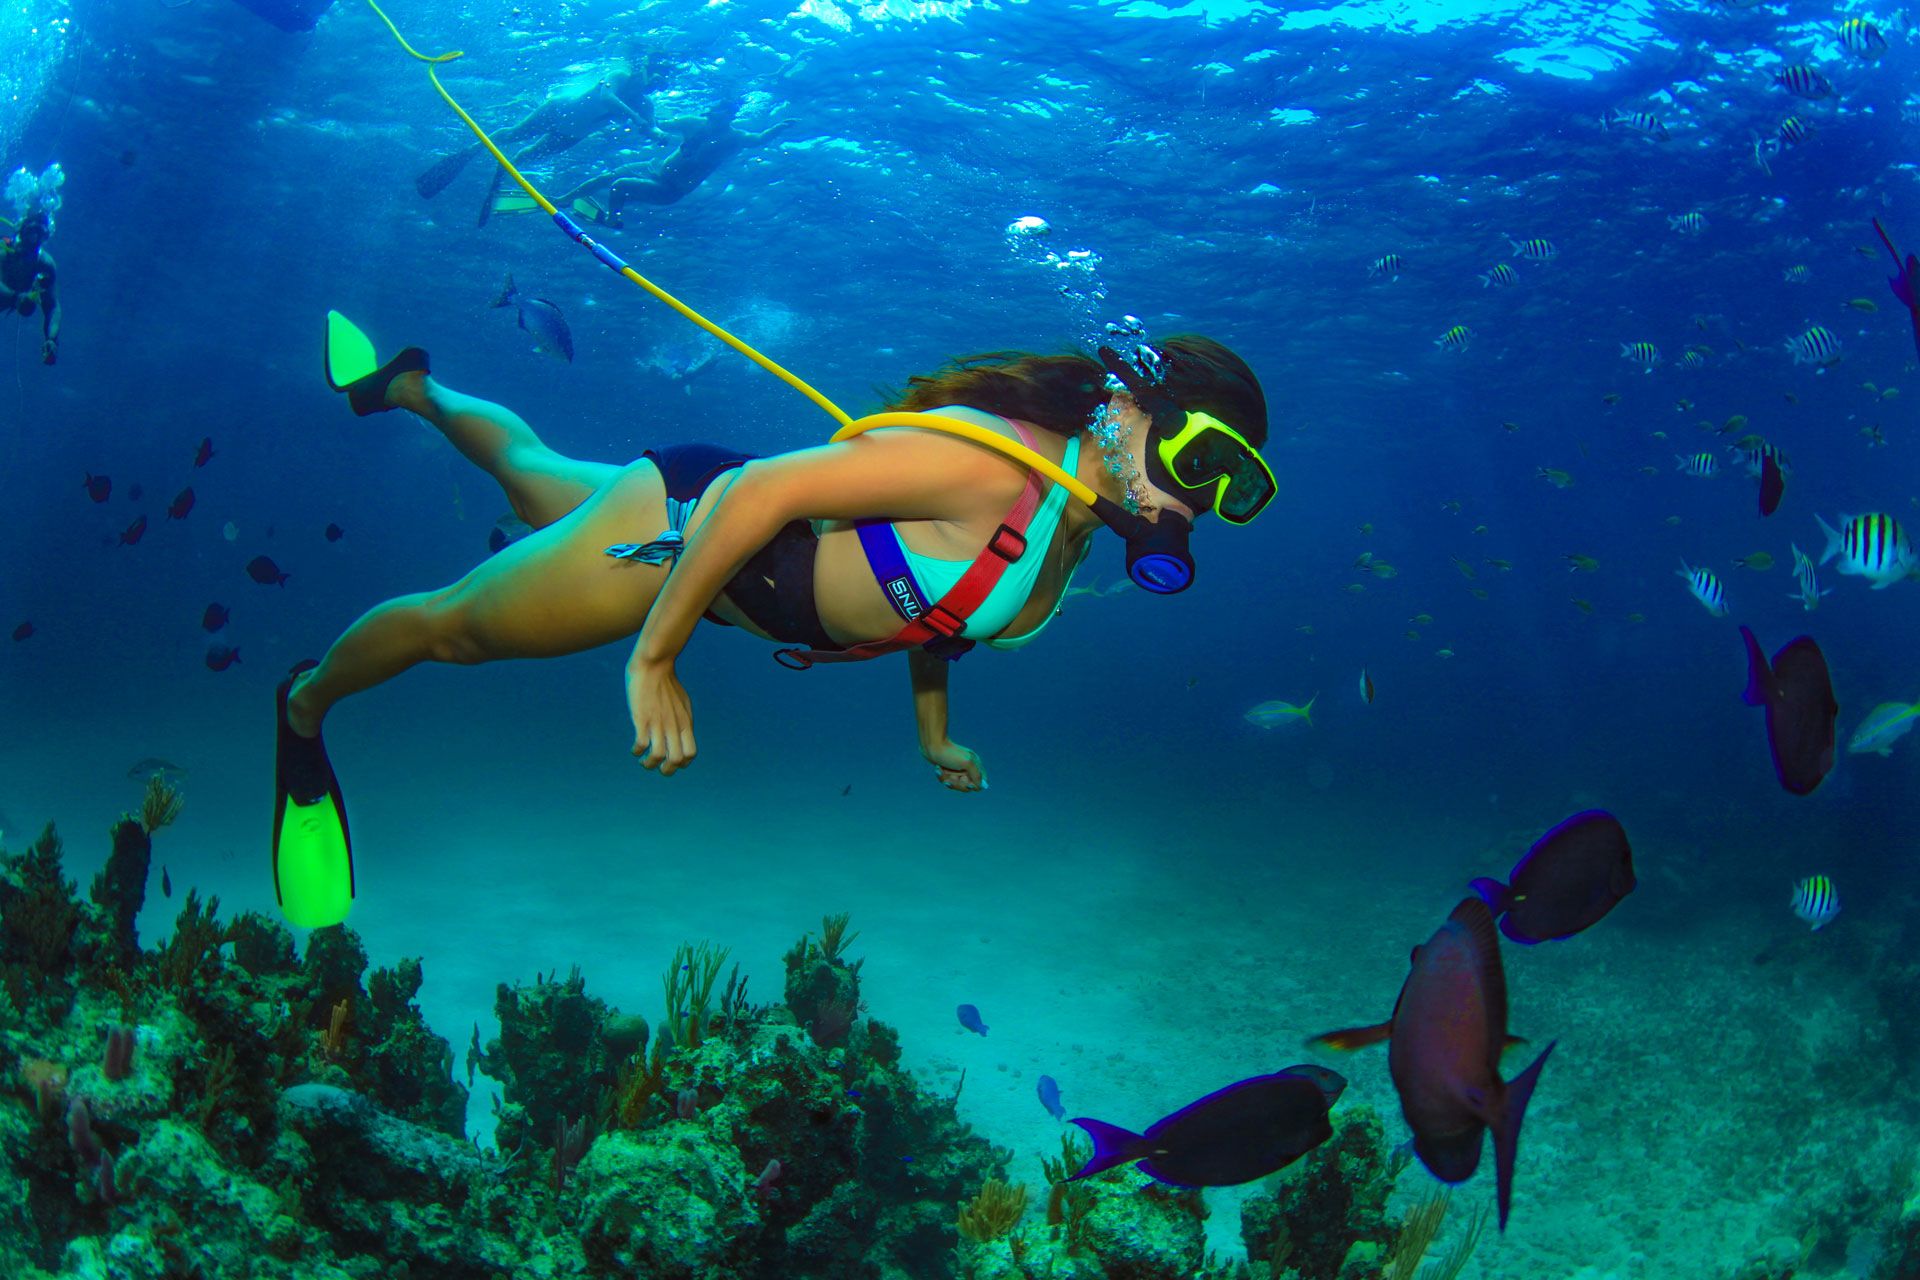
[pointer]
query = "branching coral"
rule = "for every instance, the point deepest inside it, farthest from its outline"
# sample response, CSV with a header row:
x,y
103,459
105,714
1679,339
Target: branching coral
x,y
993,1212
688,986
834,937
37,922
1068,1203
196,938
1417,1234
160,805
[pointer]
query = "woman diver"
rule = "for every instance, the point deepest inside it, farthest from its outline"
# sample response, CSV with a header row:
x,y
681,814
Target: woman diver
x,y
926,541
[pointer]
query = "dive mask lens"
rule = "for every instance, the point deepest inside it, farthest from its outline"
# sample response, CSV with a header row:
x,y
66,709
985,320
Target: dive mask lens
x,y
1207,452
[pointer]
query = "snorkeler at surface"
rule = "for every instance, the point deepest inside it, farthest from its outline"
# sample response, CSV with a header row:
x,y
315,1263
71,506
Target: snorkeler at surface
x,y
706,143
27,279
570,115
896,540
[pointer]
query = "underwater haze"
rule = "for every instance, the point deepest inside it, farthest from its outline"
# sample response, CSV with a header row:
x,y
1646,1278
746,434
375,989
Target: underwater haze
x,y
1555,306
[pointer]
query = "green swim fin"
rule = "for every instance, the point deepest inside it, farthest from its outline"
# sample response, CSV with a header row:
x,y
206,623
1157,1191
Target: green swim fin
x,y
584,208
312,849
353,367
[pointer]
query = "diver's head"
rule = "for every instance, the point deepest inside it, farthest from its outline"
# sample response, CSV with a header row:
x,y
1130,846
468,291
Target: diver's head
x,y
33,230
1184,427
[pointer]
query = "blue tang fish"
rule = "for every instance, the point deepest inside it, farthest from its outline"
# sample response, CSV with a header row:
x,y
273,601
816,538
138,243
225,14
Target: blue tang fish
x,y
970,1019
1245,1131
1048,1091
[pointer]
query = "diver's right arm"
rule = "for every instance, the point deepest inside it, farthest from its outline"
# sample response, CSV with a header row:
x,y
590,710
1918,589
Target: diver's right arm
x,y
909,475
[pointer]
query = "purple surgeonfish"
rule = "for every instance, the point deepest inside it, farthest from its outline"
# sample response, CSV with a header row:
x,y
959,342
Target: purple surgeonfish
x,y
1902,280
1773,484
1568,880
1448,1028
1233,1135
1798,695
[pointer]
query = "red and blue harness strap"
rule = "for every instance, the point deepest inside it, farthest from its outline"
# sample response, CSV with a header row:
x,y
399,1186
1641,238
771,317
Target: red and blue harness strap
x,y
934,626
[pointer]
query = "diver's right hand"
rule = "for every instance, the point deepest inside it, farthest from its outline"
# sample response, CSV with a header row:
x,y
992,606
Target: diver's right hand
x,y
662,717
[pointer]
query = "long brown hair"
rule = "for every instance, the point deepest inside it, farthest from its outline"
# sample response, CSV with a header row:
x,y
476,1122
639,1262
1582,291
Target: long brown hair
x,y
1060,393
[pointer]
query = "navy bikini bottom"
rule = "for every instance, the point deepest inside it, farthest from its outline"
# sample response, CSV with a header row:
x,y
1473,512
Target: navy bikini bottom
x,y
774,588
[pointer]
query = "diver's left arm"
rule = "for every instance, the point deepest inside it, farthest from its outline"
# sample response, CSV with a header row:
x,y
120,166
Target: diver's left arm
x,y
50,313
959,767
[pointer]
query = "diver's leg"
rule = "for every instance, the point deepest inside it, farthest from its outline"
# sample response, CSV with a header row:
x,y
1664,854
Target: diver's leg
x,y
540,484
551,593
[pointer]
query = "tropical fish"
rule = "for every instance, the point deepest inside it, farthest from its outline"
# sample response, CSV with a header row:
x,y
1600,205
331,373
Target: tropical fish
x,y
1691,359
1872,546
1455,339
1760,561
1803,81
182,504
1797,693
215,617
1366,687
1421,619
24,631
1443,653
1558,479
1448,1029
1796,275
1644,122
540,319
1464,566
99,488
1537,249
1644,354
1047,1089
1809,593
265,572
1610,399
134,532
1500,273
1901,282
1502,566
166,884
334,533
204,453
1690,224
1568,881
1581,564
970,1019
1274,713
220,656
1702,465
1245,1131
1387,264
1862,39
230,531
1584,606
154,767
1883,726
1816,901
1792,132
1817,346
1706,588
1753,450
1381,569
1867,305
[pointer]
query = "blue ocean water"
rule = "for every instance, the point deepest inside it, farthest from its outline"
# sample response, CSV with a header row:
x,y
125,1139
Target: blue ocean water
x,y
1146,860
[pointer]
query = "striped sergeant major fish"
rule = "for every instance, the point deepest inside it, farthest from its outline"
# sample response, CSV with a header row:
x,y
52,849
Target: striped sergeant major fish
x,y
1862,39
1802,81
1693,360
1387,264
1793,131
1689,224
1703,465
1636,122
1644,354
1817,346
1501,273
1872,546
1796,274
1816,901
1535,249
1706,588
1809,593
1753,451
1455,339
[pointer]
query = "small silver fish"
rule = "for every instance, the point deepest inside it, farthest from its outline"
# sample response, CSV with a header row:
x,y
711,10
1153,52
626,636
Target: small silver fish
x,y
1274,713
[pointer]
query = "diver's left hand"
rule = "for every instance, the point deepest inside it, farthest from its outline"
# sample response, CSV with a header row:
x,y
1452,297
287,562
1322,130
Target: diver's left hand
x,y
959,766
49,350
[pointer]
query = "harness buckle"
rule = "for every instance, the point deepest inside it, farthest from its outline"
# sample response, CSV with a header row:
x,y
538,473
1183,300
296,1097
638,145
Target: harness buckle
x,y
1008,543
944,622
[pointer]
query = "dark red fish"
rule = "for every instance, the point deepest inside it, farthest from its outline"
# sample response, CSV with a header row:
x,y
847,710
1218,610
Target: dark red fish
x,y
134,532
204,453
266,572
220,657
1773,484
166,883
335,533
1447,1031
23,632
1568,880
1901,282
99,488
215,617
1797,692
181,504
1233,1135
